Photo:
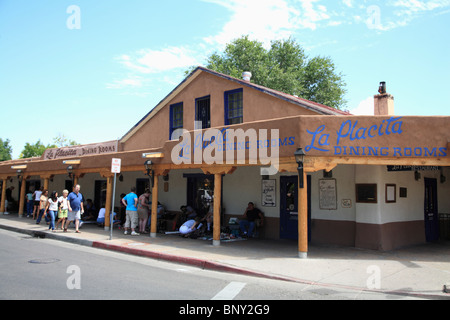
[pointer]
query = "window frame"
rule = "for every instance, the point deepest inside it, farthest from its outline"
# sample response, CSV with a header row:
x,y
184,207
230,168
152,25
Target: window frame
x,y
172,117
227,109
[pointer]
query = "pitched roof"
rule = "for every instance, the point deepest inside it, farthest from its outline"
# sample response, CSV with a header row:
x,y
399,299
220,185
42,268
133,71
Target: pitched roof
x,y
310,105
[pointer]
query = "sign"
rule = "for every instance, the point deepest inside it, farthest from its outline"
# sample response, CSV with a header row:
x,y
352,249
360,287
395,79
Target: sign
x,y
327,194
81,150
115,166
268,193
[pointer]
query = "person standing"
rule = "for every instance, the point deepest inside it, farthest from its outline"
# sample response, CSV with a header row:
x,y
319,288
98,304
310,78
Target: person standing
x,y
63,209
76,209
37,202
42,206
52,207
131,201
143,210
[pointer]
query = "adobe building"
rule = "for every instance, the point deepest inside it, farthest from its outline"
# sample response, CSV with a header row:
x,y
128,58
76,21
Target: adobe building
x,y
318,174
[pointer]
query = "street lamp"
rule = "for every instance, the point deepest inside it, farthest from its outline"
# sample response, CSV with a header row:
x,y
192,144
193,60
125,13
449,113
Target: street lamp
x,y
149,168
70,171
299,158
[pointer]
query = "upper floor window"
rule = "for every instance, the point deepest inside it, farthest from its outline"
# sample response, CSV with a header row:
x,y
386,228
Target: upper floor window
x,y
176,118
203,112
234,107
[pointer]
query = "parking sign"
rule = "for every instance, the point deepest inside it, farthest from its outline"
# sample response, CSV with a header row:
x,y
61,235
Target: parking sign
x,y
115,166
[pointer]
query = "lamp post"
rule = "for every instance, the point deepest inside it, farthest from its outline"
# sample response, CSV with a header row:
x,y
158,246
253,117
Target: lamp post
x,y
299,158
149,168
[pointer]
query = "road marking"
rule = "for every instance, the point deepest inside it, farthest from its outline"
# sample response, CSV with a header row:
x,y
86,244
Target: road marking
x,y
230,291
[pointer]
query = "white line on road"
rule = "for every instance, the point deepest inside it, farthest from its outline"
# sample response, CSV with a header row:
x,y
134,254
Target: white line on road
x,y
230,291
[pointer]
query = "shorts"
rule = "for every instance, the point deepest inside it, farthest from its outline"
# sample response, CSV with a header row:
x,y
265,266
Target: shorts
x,y
37,203
74,215
63,213
132,219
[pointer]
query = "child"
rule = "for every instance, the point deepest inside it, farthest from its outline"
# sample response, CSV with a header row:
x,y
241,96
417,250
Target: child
x,y
63,209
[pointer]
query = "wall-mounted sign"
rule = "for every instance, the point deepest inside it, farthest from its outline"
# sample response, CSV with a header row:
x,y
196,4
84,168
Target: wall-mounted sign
x,y
80,151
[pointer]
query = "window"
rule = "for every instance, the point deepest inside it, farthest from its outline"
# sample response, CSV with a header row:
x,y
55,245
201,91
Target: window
x,y
176,118
233,107
366,193
203,112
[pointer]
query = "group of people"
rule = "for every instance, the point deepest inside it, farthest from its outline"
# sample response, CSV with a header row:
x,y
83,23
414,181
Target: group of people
x,y
67,208
246,224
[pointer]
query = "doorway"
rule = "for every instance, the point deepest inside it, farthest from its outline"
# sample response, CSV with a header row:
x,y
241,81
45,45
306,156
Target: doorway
x,y
431,210
200,192
289,207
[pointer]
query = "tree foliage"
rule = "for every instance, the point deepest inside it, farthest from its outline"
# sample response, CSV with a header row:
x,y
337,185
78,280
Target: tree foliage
x,y
5,150
34,150
284,67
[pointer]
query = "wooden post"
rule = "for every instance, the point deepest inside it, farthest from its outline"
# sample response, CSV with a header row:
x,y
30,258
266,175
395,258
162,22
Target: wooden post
x,y
22,197
2,205
109,187
216,213
154,215
303,219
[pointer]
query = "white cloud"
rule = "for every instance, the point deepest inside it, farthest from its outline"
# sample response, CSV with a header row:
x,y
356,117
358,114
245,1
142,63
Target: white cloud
x,y
155,61
267,20
365,107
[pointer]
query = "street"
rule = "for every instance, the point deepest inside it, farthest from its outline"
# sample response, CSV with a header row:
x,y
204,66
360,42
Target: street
x,y
34,268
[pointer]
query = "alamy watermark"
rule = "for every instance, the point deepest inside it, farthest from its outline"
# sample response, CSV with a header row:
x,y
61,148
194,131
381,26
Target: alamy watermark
x,y
74,20
74,280
213,146
374,280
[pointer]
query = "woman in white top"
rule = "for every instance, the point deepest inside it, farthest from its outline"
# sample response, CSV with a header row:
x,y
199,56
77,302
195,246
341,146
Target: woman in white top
x,y
37,199
52,206
63,209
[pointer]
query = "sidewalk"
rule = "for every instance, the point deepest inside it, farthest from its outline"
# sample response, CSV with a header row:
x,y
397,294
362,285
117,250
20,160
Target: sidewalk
x,y
420,271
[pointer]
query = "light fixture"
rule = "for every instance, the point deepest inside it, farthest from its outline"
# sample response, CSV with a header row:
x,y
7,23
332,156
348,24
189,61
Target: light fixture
x,y
70,171
299,158
19,167
19,175
149,168
73,161
150,155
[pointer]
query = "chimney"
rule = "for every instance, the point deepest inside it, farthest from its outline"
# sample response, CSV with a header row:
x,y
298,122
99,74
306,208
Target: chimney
x,y
246,75
383,102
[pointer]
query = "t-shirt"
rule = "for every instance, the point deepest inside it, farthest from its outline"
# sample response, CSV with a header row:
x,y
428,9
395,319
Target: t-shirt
x,y
64,205
129,199
75,201
253,214
53,205
43,202
37,195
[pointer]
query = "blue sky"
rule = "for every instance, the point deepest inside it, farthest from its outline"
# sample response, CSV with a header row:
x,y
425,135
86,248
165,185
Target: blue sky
x,y
90,70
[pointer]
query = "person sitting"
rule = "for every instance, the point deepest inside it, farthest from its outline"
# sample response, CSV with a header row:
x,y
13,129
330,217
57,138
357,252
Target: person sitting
x,y
190,226
248,221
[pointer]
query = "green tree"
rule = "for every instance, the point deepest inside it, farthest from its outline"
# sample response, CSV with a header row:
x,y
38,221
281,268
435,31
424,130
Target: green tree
x,y
284,67
34,150
62,141
5,150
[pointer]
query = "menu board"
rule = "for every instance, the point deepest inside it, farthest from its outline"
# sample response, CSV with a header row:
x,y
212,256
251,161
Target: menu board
x,y
327,194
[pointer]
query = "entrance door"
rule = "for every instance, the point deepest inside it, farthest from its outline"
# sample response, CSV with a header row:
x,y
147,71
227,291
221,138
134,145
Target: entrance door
x,y
431,211
289,207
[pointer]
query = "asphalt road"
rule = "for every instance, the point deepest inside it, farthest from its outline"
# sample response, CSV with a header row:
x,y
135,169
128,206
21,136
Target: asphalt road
x,y
33,268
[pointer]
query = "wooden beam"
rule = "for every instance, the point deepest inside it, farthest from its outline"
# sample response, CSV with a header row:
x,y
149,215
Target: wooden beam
x,y
303,219
216,213
218,170
154,214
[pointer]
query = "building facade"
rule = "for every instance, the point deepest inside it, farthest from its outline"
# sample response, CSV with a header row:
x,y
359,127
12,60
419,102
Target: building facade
x,y
377,182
